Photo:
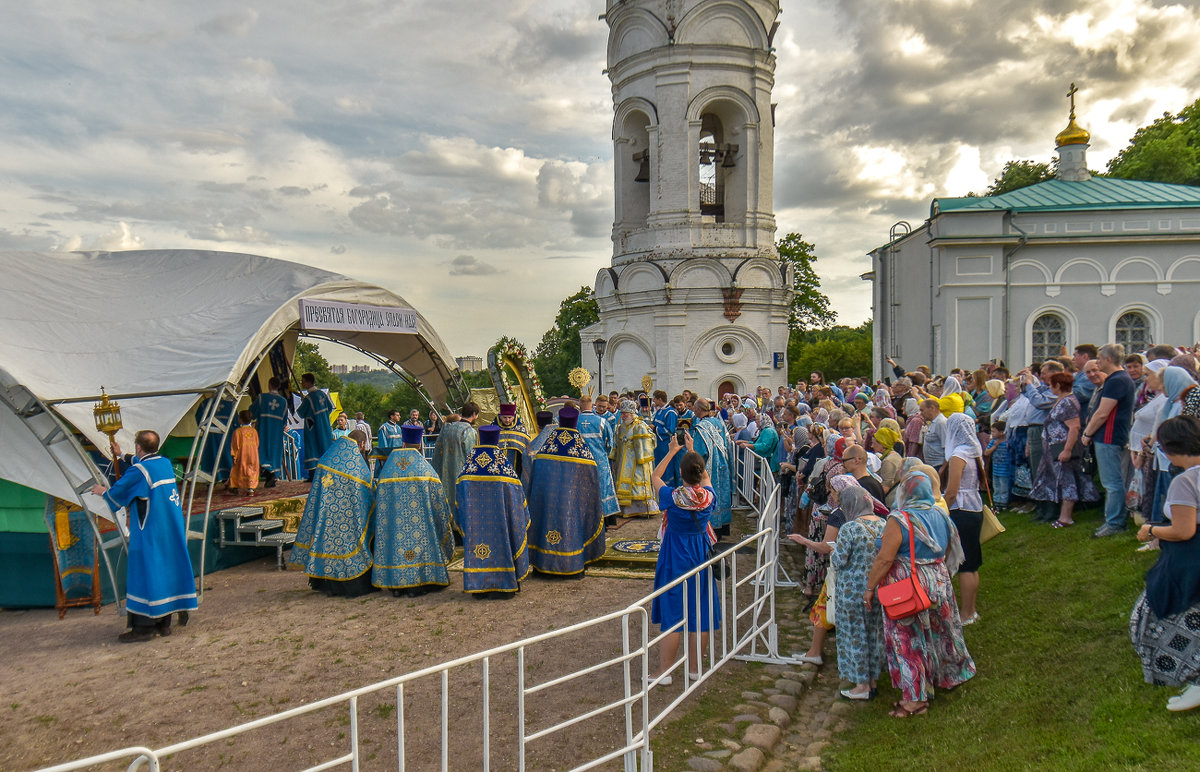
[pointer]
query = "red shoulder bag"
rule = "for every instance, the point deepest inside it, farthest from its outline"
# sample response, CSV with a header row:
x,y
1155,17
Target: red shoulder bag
x,y
906,597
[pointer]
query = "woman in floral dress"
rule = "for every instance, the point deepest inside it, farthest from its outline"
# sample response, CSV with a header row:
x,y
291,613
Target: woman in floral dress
x,y
1059,477
926,650
817,559
860,628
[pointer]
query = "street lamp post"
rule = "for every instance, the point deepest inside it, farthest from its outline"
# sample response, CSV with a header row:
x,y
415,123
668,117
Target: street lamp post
x,y
598,346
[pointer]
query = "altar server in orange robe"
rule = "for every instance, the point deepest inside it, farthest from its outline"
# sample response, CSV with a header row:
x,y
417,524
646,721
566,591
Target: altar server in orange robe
x,y
243,445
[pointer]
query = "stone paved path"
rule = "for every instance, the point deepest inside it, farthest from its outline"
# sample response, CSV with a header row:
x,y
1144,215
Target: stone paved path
x,y
787,715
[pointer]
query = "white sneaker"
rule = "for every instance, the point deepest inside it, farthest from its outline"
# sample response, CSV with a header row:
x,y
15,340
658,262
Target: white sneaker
x,y
1186,700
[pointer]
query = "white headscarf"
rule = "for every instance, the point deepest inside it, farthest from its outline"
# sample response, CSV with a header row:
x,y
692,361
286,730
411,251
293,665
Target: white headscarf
x,y
961,439
951,386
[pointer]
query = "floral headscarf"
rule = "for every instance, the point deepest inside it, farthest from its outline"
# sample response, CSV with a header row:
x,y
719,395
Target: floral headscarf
x,y
692,498
629,406
841,482
917,493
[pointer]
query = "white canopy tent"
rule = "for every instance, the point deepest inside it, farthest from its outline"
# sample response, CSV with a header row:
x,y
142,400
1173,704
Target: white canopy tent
x,y
159,330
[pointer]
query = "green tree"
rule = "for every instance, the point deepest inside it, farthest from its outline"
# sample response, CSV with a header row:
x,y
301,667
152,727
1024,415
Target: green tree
x,y
810,306
1167,150
309,360
558,352
364,398
838,352
1021,174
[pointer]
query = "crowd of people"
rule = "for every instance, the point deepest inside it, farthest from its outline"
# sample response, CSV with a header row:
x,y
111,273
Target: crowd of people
x,y
882,484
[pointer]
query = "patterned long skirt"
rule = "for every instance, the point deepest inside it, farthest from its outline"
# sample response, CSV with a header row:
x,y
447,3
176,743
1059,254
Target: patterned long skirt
x,y
815,563
1168,648
927,650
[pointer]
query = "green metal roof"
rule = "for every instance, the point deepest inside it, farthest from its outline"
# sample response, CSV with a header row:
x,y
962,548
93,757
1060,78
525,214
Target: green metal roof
x,y
1096,193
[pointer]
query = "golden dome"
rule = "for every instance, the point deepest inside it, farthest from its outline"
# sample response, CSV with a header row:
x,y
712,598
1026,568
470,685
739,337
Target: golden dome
x,y
1074,134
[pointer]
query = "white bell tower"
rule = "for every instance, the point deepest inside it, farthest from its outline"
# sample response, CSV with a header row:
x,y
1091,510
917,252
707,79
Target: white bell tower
x,y
696,296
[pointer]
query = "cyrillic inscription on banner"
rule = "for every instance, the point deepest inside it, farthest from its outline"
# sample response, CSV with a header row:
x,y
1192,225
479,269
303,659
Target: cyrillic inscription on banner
x,y
332,315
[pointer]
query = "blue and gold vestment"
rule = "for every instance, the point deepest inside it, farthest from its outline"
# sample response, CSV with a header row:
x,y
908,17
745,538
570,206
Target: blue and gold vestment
x,y
316,409
492,514
711,440
332,538
453,448
413,541
566,522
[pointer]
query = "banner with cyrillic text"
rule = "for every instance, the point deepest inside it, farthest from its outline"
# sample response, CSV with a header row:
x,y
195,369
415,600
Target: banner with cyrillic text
x,y
332,315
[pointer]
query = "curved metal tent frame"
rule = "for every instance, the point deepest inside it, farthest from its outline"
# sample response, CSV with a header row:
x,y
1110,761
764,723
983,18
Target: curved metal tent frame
x,y
199,315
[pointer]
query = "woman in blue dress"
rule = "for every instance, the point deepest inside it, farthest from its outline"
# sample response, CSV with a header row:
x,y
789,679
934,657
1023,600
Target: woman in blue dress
x,y
686,536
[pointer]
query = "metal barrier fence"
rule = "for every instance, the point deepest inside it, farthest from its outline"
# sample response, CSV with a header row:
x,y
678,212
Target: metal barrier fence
x,y
622,711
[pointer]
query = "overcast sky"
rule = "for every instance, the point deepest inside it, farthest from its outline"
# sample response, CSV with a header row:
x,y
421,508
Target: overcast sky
x,y
459,153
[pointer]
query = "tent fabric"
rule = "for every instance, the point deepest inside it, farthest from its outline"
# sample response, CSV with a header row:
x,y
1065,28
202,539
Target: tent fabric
x,y
167,322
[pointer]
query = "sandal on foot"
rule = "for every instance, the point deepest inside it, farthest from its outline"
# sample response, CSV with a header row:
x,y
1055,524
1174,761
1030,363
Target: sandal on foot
x,y
902,712
1061,524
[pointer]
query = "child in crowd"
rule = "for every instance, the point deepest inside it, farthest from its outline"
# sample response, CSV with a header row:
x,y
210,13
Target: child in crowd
x,y
243,446
997,451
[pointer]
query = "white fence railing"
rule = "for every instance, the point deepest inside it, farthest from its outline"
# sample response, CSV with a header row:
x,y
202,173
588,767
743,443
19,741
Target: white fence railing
x,y
619,702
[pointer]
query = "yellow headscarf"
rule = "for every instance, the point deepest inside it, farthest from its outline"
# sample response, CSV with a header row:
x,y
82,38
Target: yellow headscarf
x,y
994,387
887,437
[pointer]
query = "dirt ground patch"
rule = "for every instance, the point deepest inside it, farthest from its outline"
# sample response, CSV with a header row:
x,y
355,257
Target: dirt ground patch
x,y
262,642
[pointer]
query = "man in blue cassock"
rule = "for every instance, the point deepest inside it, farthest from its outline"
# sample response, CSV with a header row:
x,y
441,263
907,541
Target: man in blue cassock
x,y
270,415
159,579
209,462
664,424
413,542
315,410
598,435
545,422
332,541
711,440
494,520
453,448
566,522
514,440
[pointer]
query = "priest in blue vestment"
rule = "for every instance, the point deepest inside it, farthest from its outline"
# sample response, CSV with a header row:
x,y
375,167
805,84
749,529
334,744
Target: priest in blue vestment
x,y
158,579
270,416
494,520
514,440
332,541
598,435
566,522
413,542
315,410
452,450
664,423
545,422
711,440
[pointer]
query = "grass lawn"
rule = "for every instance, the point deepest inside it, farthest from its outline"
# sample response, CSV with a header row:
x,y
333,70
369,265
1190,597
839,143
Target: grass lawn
x,y
1058,684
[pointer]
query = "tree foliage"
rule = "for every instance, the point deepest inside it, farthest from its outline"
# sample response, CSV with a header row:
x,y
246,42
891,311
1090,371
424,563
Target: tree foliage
x,y
309,360
558,353
1020,174
838,352
810,307
1167,150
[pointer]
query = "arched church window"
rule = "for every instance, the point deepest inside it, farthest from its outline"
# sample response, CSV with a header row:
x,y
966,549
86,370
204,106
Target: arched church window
x,y
1133,331
1049,336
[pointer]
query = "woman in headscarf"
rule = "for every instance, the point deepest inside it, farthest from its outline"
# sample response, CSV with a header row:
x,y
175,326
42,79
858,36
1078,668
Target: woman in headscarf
x,y
800,443
1060,476
890,447
1177,385
817,559
860,628
964,455
739,426
926,650
952,399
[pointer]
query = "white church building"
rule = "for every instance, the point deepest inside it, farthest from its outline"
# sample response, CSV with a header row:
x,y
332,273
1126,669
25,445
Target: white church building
x,y
1076,259
696,296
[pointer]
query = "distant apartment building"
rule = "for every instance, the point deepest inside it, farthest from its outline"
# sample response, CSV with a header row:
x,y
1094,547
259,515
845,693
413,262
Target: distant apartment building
x,y
337,369
469,364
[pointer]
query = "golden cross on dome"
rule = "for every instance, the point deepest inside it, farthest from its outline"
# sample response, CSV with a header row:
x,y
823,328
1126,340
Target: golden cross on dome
x,y
1074,90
